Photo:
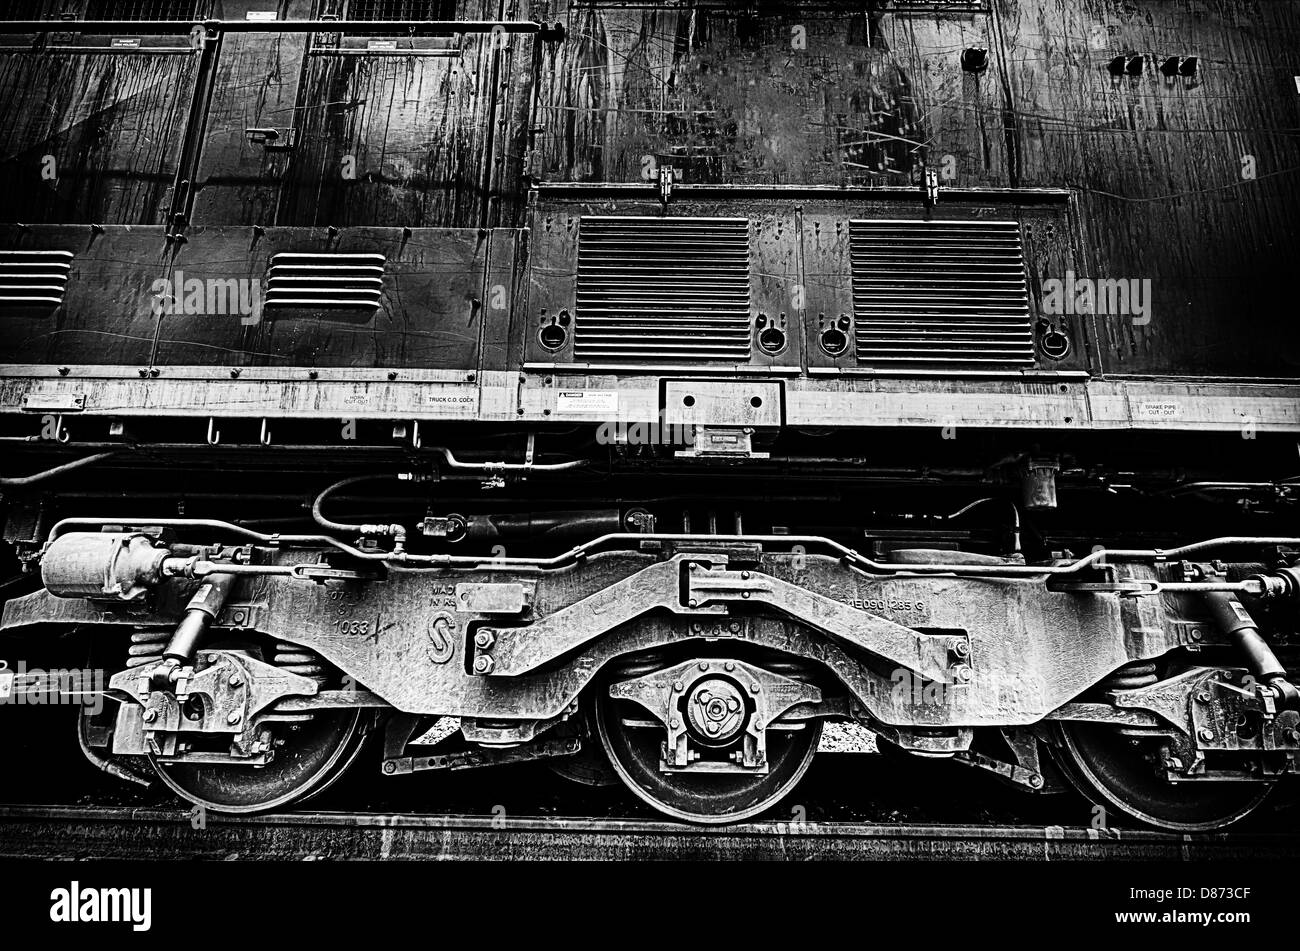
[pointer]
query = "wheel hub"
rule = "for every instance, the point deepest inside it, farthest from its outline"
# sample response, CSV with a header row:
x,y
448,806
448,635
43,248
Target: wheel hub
x,y
715,710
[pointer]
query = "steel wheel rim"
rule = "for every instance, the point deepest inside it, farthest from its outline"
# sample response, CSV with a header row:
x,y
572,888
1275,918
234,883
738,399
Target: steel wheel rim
x,y
1083,767
330,762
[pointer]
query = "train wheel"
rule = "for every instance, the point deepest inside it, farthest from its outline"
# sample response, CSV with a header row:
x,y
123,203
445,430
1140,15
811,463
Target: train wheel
x,y
316,752
634,750
1115,770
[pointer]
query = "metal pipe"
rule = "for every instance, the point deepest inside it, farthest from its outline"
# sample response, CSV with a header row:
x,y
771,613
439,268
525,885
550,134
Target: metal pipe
x,y
12,481
367,528
454,463
107,765
634,538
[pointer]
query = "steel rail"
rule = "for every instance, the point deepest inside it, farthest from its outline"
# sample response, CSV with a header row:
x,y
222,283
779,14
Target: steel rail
x,y
135,832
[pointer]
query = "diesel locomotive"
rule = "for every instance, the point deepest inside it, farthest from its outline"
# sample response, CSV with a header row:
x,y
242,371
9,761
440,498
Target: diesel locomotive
x,y
642,387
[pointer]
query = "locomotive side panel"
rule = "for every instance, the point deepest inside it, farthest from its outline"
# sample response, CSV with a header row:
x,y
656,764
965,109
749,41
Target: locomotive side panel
x,y
91,137
823,93
389,299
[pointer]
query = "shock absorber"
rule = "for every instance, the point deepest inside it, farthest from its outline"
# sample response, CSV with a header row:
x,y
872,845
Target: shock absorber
x,y
1235,621
202,610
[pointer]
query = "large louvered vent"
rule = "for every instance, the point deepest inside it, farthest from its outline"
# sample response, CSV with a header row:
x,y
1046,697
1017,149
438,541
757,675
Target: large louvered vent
x,y
33,278
325,280
940,294
674,289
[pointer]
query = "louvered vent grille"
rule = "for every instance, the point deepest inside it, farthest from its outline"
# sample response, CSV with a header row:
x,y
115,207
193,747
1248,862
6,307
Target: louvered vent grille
x,y
33,278
325,280
674,289
940,294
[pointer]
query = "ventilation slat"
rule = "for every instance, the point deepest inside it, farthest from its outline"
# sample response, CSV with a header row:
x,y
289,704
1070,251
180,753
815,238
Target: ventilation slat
x,y
33,278
655,289
942,294
311,280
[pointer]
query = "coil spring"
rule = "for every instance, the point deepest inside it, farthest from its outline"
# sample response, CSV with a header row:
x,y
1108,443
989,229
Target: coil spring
x,y
643,663
147,647
299,660
1132,676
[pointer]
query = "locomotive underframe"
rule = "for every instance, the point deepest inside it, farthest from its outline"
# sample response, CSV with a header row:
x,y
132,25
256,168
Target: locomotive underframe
x,y
925,660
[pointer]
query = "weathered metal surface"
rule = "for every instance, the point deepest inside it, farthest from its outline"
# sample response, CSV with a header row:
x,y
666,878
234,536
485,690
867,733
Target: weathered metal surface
x,y
201,302
1050,403
1185,182
1033,650
1188,182
91,137
67,832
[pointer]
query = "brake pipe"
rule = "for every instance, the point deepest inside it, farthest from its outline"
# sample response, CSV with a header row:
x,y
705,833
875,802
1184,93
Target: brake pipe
x,y
584,550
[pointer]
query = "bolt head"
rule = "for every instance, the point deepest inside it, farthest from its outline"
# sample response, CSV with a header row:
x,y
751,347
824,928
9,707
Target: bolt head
x,y
390,768
483,664
729,665
150,716
753,687
236,680
704,665
674,723
677,686
235,717
963,674
1036,781
1206,734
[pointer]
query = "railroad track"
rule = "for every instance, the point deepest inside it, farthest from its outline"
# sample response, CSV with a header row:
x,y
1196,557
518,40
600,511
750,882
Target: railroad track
x,y
70,832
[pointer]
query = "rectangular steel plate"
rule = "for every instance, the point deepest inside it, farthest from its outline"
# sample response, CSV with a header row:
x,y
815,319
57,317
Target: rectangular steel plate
x,y
722,403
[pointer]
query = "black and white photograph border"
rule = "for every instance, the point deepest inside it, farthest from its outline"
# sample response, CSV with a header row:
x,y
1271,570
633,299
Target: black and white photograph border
x,y
607,431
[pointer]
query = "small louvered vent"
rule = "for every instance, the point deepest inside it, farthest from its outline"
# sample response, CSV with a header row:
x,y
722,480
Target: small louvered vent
x,y
940,293
33,278
325,280
673,289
